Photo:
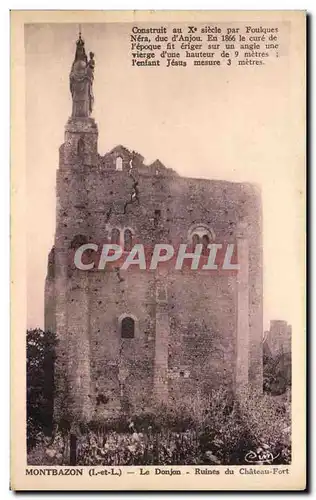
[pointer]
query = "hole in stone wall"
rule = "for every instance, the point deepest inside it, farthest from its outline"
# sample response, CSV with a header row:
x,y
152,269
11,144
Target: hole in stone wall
x,y
101,399
128,328
78,241
205,242
80,147
115,236
195,240
128,239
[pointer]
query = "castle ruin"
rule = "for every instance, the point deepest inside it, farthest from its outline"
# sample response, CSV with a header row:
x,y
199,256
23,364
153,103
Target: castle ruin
x,y
130,338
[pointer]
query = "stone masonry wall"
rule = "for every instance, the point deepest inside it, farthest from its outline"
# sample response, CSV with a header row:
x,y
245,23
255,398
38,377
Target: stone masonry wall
x,y
198,317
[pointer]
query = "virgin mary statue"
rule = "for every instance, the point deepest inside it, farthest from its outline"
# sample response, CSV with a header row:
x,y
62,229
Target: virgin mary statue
x,y
81,81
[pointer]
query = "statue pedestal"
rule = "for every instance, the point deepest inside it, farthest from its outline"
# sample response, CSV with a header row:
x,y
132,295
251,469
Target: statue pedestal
x,y
81,125
81,142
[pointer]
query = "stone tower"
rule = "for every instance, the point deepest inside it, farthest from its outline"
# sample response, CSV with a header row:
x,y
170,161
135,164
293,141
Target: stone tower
x,y
277,340
129,339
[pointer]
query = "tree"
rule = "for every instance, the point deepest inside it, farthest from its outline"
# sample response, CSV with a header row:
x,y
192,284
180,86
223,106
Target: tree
x,y
41,354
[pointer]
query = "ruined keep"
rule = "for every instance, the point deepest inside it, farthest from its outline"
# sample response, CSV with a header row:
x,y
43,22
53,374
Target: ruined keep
x,y
130,338
277,340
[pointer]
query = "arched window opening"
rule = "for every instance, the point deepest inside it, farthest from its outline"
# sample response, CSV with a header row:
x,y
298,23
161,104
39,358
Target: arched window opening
x,y
128,328
205,242
81,147
128,240
119,163
195,240
157,217
115,236
201,234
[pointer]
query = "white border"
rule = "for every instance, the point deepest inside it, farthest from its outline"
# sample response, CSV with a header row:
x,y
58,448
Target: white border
x,y
5,178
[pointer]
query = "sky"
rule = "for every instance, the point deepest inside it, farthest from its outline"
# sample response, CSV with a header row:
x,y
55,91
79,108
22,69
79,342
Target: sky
x,y
237,124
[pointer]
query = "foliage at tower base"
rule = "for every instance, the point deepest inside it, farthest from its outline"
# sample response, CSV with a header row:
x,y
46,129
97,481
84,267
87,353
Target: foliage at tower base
x,y
40,388
277,373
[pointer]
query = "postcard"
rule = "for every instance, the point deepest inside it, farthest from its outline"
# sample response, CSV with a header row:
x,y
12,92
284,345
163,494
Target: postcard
x,y
158,250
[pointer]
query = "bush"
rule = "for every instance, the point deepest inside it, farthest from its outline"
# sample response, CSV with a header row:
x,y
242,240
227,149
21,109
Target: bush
x,y
218,431
277,373
159,448
267,419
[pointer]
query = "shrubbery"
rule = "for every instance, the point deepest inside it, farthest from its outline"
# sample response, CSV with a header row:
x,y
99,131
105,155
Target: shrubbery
x,y
218,431
215,430
277,372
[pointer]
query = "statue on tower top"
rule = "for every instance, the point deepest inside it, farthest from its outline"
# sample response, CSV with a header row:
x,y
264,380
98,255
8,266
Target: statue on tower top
x,y
81,81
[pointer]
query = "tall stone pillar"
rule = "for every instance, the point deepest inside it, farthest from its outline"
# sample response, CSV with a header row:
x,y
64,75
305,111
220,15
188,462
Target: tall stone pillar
x,y
68,289
242,340
79,152
78,356
161,343
50,295
61,389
